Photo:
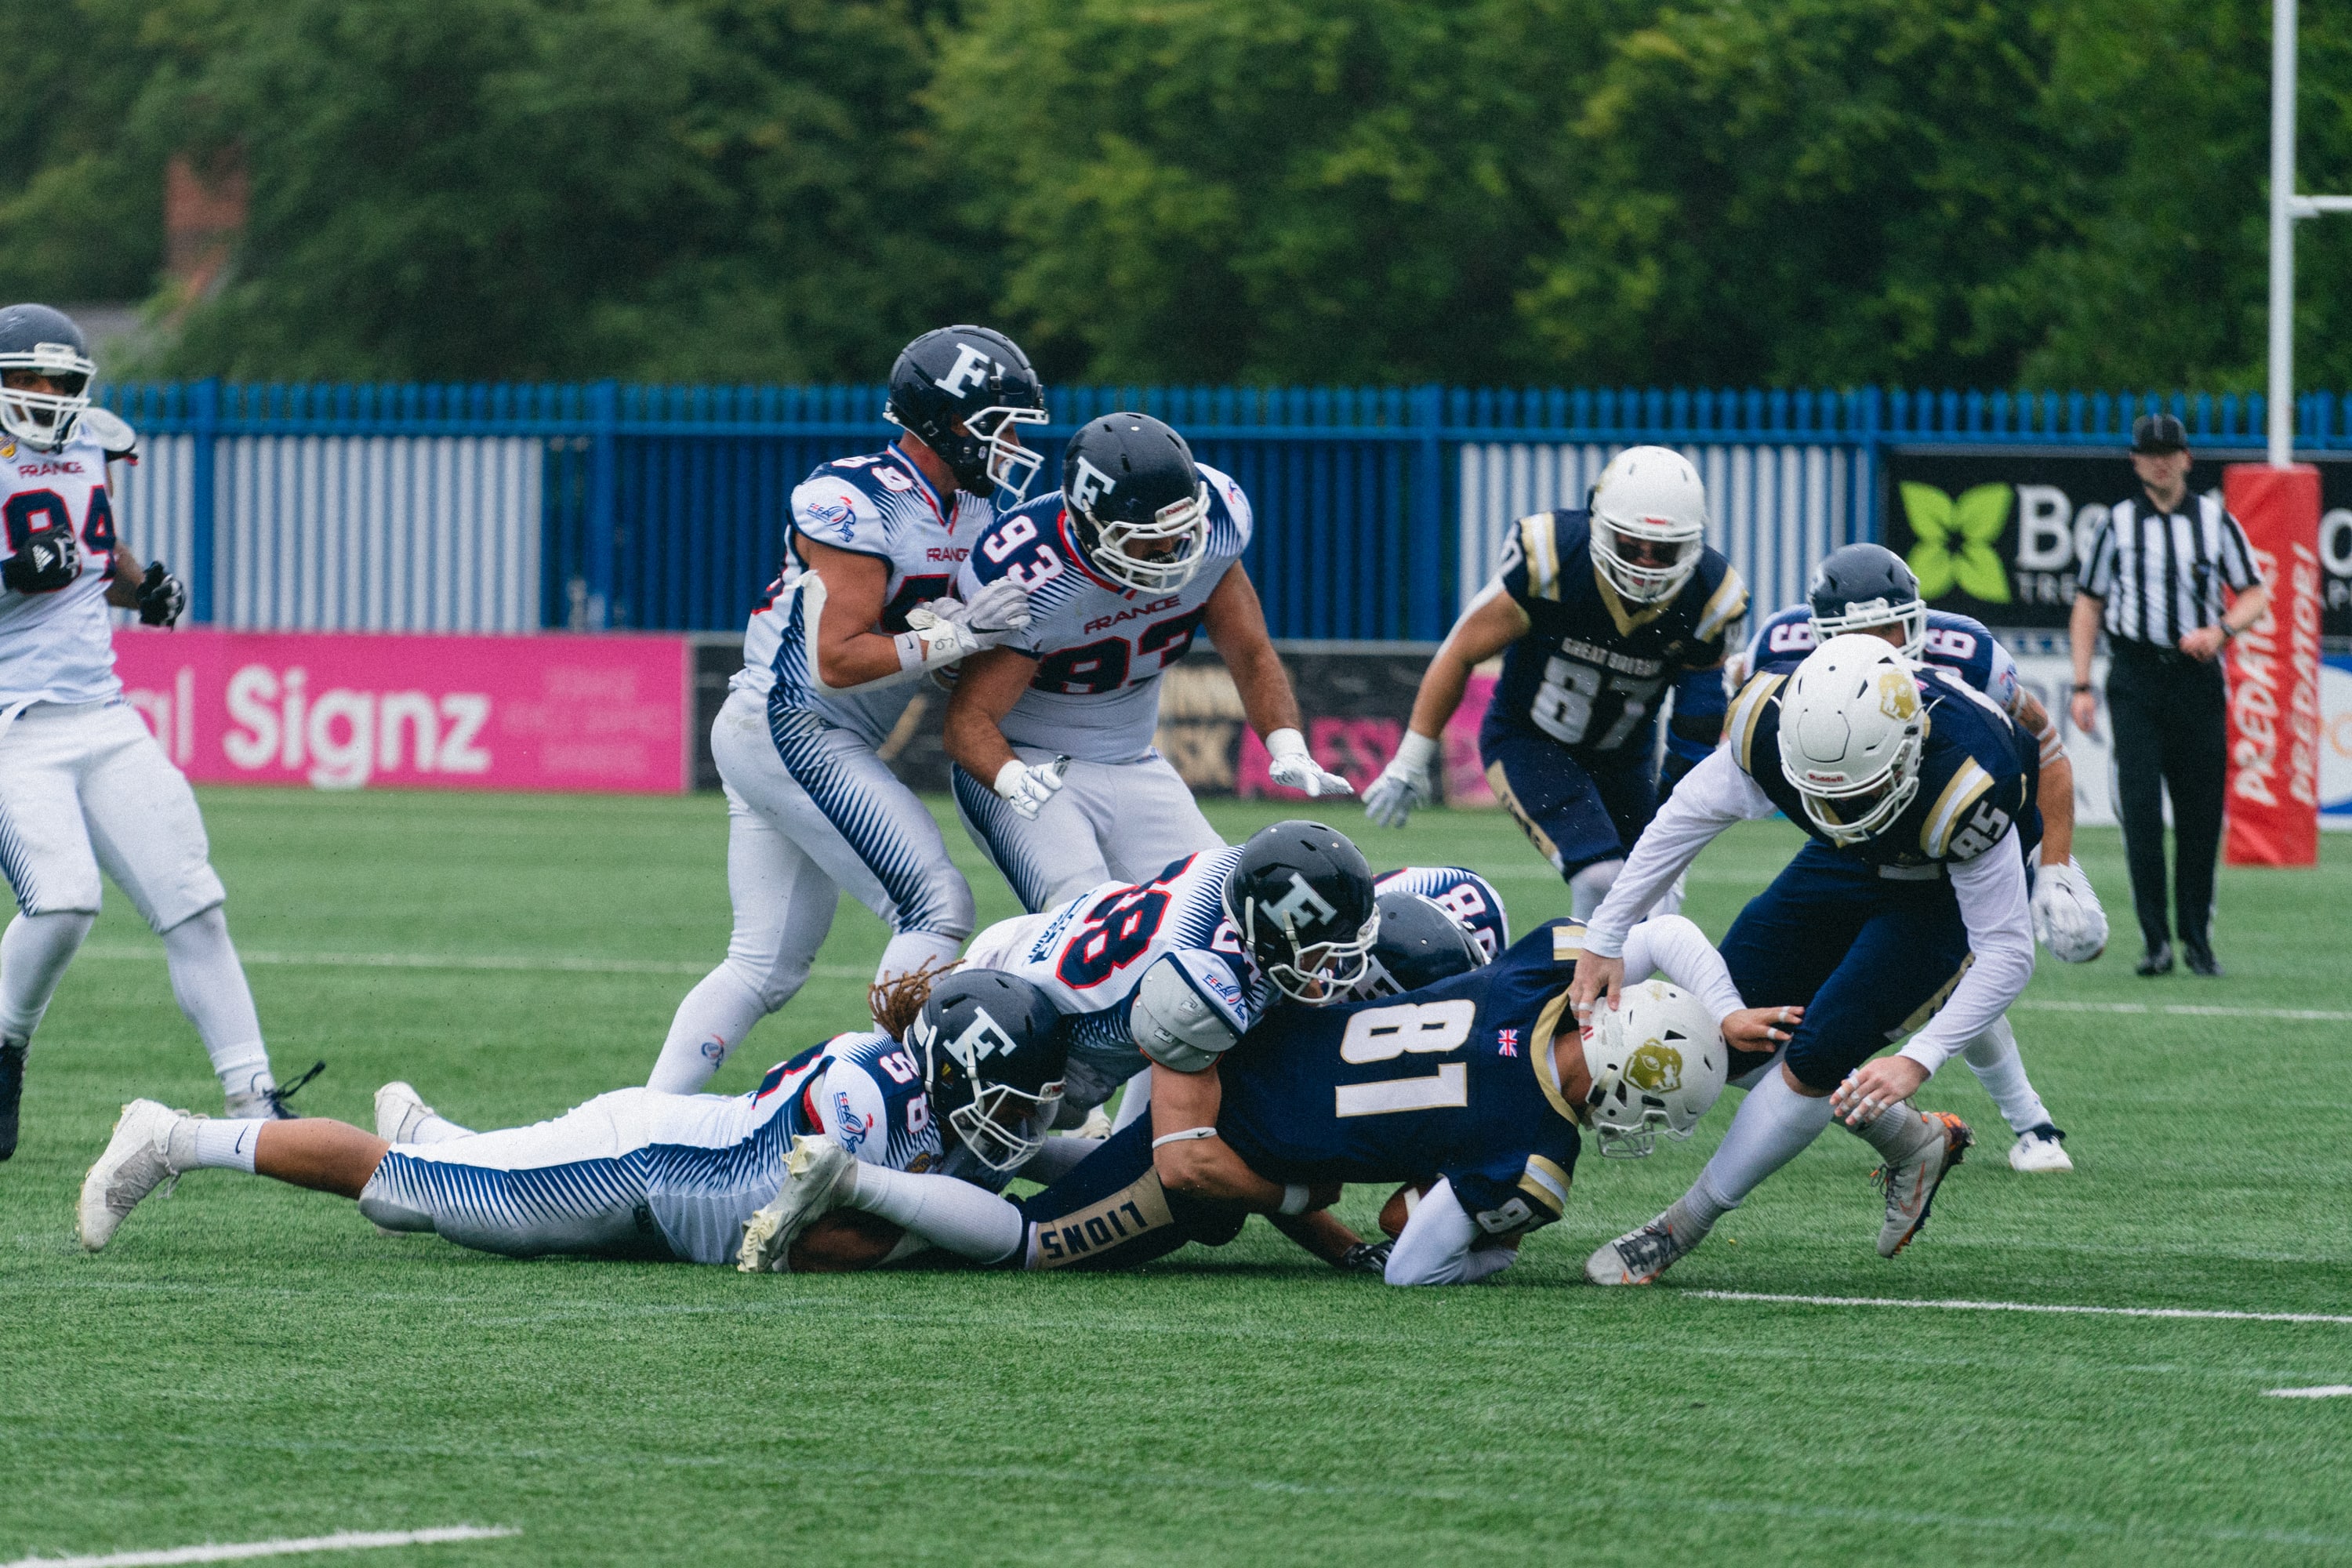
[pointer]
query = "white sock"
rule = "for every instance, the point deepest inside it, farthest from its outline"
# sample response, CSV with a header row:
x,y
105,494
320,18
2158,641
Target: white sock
x,y
34,954
1774,1124
1590,887
210,984
1134,1101
436,1128
1895,1132
710,1023
198,1144
955,1215
1993,1057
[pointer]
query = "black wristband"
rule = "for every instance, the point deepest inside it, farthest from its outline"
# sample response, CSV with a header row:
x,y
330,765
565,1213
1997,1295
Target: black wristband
x,y
2082,685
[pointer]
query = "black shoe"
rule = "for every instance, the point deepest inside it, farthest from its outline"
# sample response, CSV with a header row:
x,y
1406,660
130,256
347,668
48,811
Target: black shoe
x,y
12,1093
2156,960
2202,961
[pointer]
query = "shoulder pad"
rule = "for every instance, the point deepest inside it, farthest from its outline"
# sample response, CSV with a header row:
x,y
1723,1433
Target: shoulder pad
x,y
1747,711
837,507
1177,1017
1963,821
110,431
1226,496
1539,542
852,1106
1725,605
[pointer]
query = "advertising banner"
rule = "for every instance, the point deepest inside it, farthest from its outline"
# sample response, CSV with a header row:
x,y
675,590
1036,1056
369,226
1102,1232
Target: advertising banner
x,y
2000,535
2275,719
342,711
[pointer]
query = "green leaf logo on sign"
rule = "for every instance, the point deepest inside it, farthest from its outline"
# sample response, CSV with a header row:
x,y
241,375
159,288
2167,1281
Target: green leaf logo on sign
x,y
1955,543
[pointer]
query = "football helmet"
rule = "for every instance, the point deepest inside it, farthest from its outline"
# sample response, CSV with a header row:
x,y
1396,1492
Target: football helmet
x,y
1658,1063
1861,587
1853,733
992,1049
46,342
1420,944
1136,502
979,379
1303,899
1648,524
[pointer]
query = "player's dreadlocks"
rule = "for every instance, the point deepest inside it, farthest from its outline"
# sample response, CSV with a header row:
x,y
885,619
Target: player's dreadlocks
x,y
894,1001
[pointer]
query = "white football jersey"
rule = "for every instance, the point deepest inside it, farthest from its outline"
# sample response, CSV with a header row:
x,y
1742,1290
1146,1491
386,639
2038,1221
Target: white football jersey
x,y
58,647
878,505
1100,647
1461,892
1090,954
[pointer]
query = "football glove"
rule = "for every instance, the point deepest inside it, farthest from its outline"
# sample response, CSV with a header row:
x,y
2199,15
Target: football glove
x,y
1027,788
2066,914
1289,765
47,561
1410,780
162,597
945,630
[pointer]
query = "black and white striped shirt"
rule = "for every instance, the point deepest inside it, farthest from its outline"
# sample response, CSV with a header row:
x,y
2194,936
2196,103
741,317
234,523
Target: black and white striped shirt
x,y
2162,575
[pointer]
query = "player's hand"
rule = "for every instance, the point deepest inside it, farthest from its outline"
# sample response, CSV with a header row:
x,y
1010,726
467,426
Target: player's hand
x,y
1410,780
162,597
1756,1029
2084,708
1875,1085
1289,765
1366,1257
1596,978
1027,788
2067,915
2202,643
998,610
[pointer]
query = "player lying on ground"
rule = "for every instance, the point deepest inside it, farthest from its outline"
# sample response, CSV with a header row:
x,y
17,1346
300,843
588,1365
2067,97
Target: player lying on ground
x,y
1055,776
1867,588
1906,911
643,1174
1471,1083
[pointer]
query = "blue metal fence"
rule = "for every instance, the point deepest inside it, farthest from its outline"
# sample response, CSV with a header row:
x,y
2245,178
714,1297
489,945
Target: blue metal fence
x,y
513,506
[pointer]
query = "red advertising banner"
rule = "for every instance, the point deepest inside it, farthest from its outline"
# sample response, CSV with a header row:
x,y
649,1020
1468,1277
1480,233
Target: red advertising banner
x,y
347,711
2273,790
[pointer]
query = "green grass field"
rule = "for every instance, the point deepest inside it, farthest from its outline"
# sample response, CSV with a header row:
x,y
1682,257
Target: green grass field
x,y
249,1361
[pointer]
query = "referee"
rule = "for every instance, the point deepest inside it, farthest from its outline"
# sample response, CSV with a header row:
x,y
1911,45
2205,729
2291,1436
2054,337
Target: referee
x,y
2153,580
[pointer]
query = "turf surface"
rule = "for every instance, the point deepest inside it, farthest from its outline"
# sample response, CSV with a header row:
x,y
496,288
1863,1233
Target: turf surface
x,y
249,1361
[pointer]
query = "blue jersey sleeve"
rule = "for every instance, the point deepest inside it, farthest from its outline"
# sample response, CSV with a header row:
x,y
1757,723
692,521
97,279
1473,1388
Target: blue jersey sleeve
x,y
1782,642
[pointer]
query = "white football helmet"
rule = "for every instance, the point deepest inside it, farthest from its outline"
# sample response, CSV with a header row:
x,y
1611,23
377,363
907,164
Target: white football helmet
x,y
1648,524
1657,1061
1852,733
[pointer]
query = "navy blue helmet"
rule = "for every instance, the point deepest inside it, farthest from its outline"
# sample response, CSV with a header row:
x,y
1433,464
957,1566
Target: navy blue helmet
x,y
1420,944
992,1049
1303,897
35,339
1137,502
1863,587
965,392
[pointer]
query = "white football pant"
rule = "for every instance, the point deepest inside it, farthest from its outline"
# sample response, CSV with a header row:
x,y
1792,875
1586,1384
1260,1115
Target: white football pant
x,y
1109,821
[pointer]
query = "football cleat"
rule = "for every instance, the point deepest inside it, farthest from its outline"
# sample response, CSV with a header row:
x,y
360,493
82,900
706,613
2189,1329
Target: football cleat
x,y
817,1177
269,1104
12,1091
403,1117
1911,1181
2042,1148
134,1165
1640,1255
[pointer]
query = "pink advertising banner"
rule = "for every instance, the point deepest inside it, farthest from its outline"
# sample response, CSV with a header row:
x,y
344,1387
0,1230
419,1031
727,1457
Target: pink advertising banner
x,y
342,711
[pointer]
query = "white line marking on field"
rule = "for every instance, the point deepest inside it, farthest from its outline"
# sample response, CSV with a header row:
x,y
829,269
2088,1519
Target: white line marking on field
x,y
2026,1307
2325,1391
2304,1015
344,1541
548,963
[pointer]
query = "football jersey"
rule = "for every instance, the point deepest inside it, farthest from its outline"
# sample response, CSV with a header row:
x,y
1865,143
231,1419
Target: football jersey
x,y
1977,774
879,505
1455,1079
1469,897
58,647
1589,672
1088,955
1101,648
1958,643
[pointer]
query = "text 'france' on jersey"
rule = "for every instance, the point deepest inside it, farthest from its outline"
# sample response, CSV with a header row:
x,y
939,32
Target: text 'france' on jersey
x,y
1976,774
1101,648
1961,644
1589,672
1461,892
879,505
1455,1079
58,645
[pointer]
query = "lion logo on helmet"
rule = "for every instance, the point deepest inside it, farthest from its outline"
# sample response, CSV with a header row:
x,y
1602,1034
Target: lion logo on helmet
x,y
1655,1067
1898,696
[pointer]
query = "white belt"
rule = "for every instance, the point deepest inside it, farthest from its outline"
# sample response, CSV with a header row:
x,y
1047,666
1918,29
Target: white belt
x,y
1928,873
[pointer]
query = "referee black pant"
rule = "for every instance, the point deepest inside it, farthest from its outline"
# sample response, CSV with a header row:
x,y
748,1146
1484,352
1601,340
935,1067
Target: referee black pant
x,y
2168,711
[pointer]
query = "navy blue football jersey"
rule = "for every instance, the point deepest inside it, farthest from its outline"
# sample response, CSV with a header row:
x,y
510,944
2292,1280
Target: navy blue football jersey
x,y
1591,668
1961,644
1976,774
1455,1080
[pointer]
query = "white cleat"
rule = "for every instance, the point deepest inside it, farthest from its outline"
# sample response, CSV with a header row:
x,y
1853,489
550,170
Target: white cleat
x,y
1095,1126
1638,1257
2039,1149
135,1163
1911,1181
403,1117
817,1177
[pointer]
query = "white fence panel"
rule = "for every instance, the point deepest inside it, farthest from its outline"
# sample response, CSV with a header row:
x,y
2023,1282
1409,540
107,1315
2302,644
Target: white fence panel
x,y
154,501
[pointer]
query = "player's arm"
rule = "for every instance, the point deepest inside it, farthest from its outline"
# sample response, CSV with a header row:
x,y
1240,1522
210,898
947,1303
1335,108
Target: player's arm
x,y
1191,1158
2053,785
987,685
1494,621
1674,947
1700,703
846,596
1235,622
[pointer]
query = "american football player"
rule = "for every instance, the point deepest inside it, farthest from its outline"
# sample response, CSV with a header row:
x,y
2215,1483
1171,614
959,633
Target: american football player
x,y
83,784
1867,588
1906,911
1051,731
1595,613
863,610
1461,892
644,1174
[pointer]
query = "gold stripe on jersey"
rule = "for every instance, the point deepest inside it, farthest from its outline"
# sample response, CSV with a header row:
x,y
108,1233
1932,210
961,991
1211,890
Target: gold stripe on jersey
x,y
1540,544
1567,942
1546,1183
1547,1071
1746,708
1927,1010
1968,782
1730,602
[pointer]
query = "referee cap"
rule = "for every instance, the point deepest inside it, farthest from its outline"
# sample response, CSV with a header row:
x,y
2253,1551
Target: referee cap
x,y
2156,434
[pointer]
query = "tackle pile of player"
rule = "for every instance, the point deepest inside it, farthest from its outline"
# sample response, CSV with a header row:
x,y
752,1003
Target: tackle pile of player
x,y
1272,1021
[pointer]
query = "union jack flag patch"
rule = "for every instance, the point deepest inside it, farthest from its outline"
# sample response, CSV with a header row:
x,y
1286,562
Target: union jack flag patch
x,y
1506,1042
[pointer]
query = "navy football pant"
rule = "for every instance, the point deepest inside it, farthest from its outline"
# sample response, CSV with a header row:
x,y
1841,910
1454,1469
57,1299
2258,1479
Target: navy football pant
x,y
1869,957
1110,1212
1575,814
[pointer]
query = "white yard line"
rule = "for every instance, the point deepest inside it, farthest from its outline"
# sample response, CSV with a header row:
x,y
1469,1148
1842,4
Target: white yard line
x,y
2325,1391
343,1540
2053,1308
2305,1015
548,963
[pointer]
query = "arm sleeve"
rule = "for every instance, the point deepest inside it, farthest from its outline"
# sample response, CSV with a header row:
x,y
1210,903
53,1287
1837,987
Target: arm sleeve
x,y
1991,890
1436,1246
1673,946
1697,723
1711,797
